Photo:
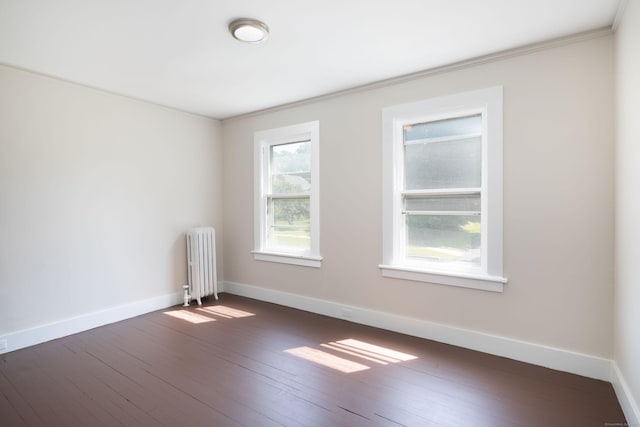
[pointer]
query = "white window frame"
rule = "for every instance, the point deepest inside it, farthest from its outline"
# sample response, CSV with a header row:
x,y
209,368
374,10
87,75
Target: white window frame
x,y
263,141
488,103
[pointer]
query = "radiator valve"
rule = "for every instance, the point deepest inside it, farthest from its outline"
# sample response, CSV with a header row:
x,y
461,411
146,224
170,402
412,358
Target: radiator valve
x,y
187,297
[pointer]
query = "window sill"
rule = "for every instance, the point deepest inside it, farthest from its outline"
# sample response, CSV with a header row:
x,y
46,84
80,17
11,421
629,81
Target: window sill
x,y
303,260
464,280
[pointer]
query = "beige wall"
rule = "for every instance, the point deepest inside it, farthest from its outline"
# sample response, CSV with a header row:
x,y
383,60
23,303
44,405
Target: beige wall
x,y
95,193
558,192
627,300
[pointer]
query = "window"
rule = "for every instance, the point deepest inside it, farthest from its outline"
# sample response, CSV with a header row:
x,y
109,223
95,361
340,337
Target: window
x,y
443,190
286,195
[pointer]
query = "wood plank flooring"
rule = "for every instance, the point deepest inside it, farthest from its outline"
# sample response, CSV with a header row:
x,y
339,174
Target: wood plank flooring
x,y
241,362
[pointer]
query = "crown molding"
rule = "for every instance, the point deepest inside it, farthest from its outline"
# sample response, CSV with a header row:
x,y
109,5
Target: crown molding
x,y
455,66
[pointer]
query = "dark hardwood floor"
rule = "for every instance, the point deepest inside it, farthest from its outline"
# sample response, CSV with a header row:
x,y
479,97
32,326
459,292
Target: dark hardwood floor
x,y
245,362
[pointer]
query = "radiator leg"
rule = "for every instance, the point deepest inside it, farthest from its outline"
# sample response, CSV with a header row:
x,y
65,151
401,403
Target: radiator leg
x,y
199,301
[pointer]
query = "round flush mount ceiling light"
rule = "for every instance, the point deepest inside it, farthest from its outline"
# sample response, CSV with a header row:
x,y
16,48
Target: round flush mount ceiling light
x,y
249,30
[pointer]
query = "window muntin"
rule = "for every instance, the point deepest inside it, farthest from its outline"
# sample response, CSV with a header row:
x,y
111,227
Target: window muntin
x,y
286,195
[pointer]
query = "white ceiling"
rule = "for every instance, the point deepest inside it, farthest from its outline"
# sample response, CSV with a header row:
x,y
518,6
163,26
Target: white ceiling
x,y
179,53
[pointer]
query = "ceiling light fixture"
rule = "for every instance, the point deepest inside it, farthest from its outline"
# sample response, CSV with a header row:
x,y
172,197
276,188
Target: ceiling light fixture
x,y
249,30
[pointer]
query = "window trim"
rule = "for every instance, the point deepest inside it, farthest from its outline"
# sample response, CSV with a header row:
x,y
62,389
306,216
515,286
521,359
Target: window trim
x,y
309,131
488,102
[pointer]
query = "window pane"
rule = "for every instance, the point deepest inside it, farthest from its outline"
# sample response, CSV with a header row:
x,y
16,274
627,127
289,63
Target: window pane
x,y
291,167
467,202
443,164
449,239
291,183
451,163
289,226
444,128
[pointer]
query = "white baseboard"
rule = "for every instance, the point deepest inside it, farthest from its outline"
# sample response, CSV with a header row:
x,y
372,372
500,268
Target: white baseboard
x,y
39,334
550,357
625,397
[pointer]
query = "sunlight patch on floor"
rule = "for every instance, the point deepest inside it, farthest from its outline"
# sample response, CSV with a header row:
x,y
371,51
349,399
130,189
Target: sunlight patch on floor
x,y
376,351
189,316
326,359
336,347
364,351
226,312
